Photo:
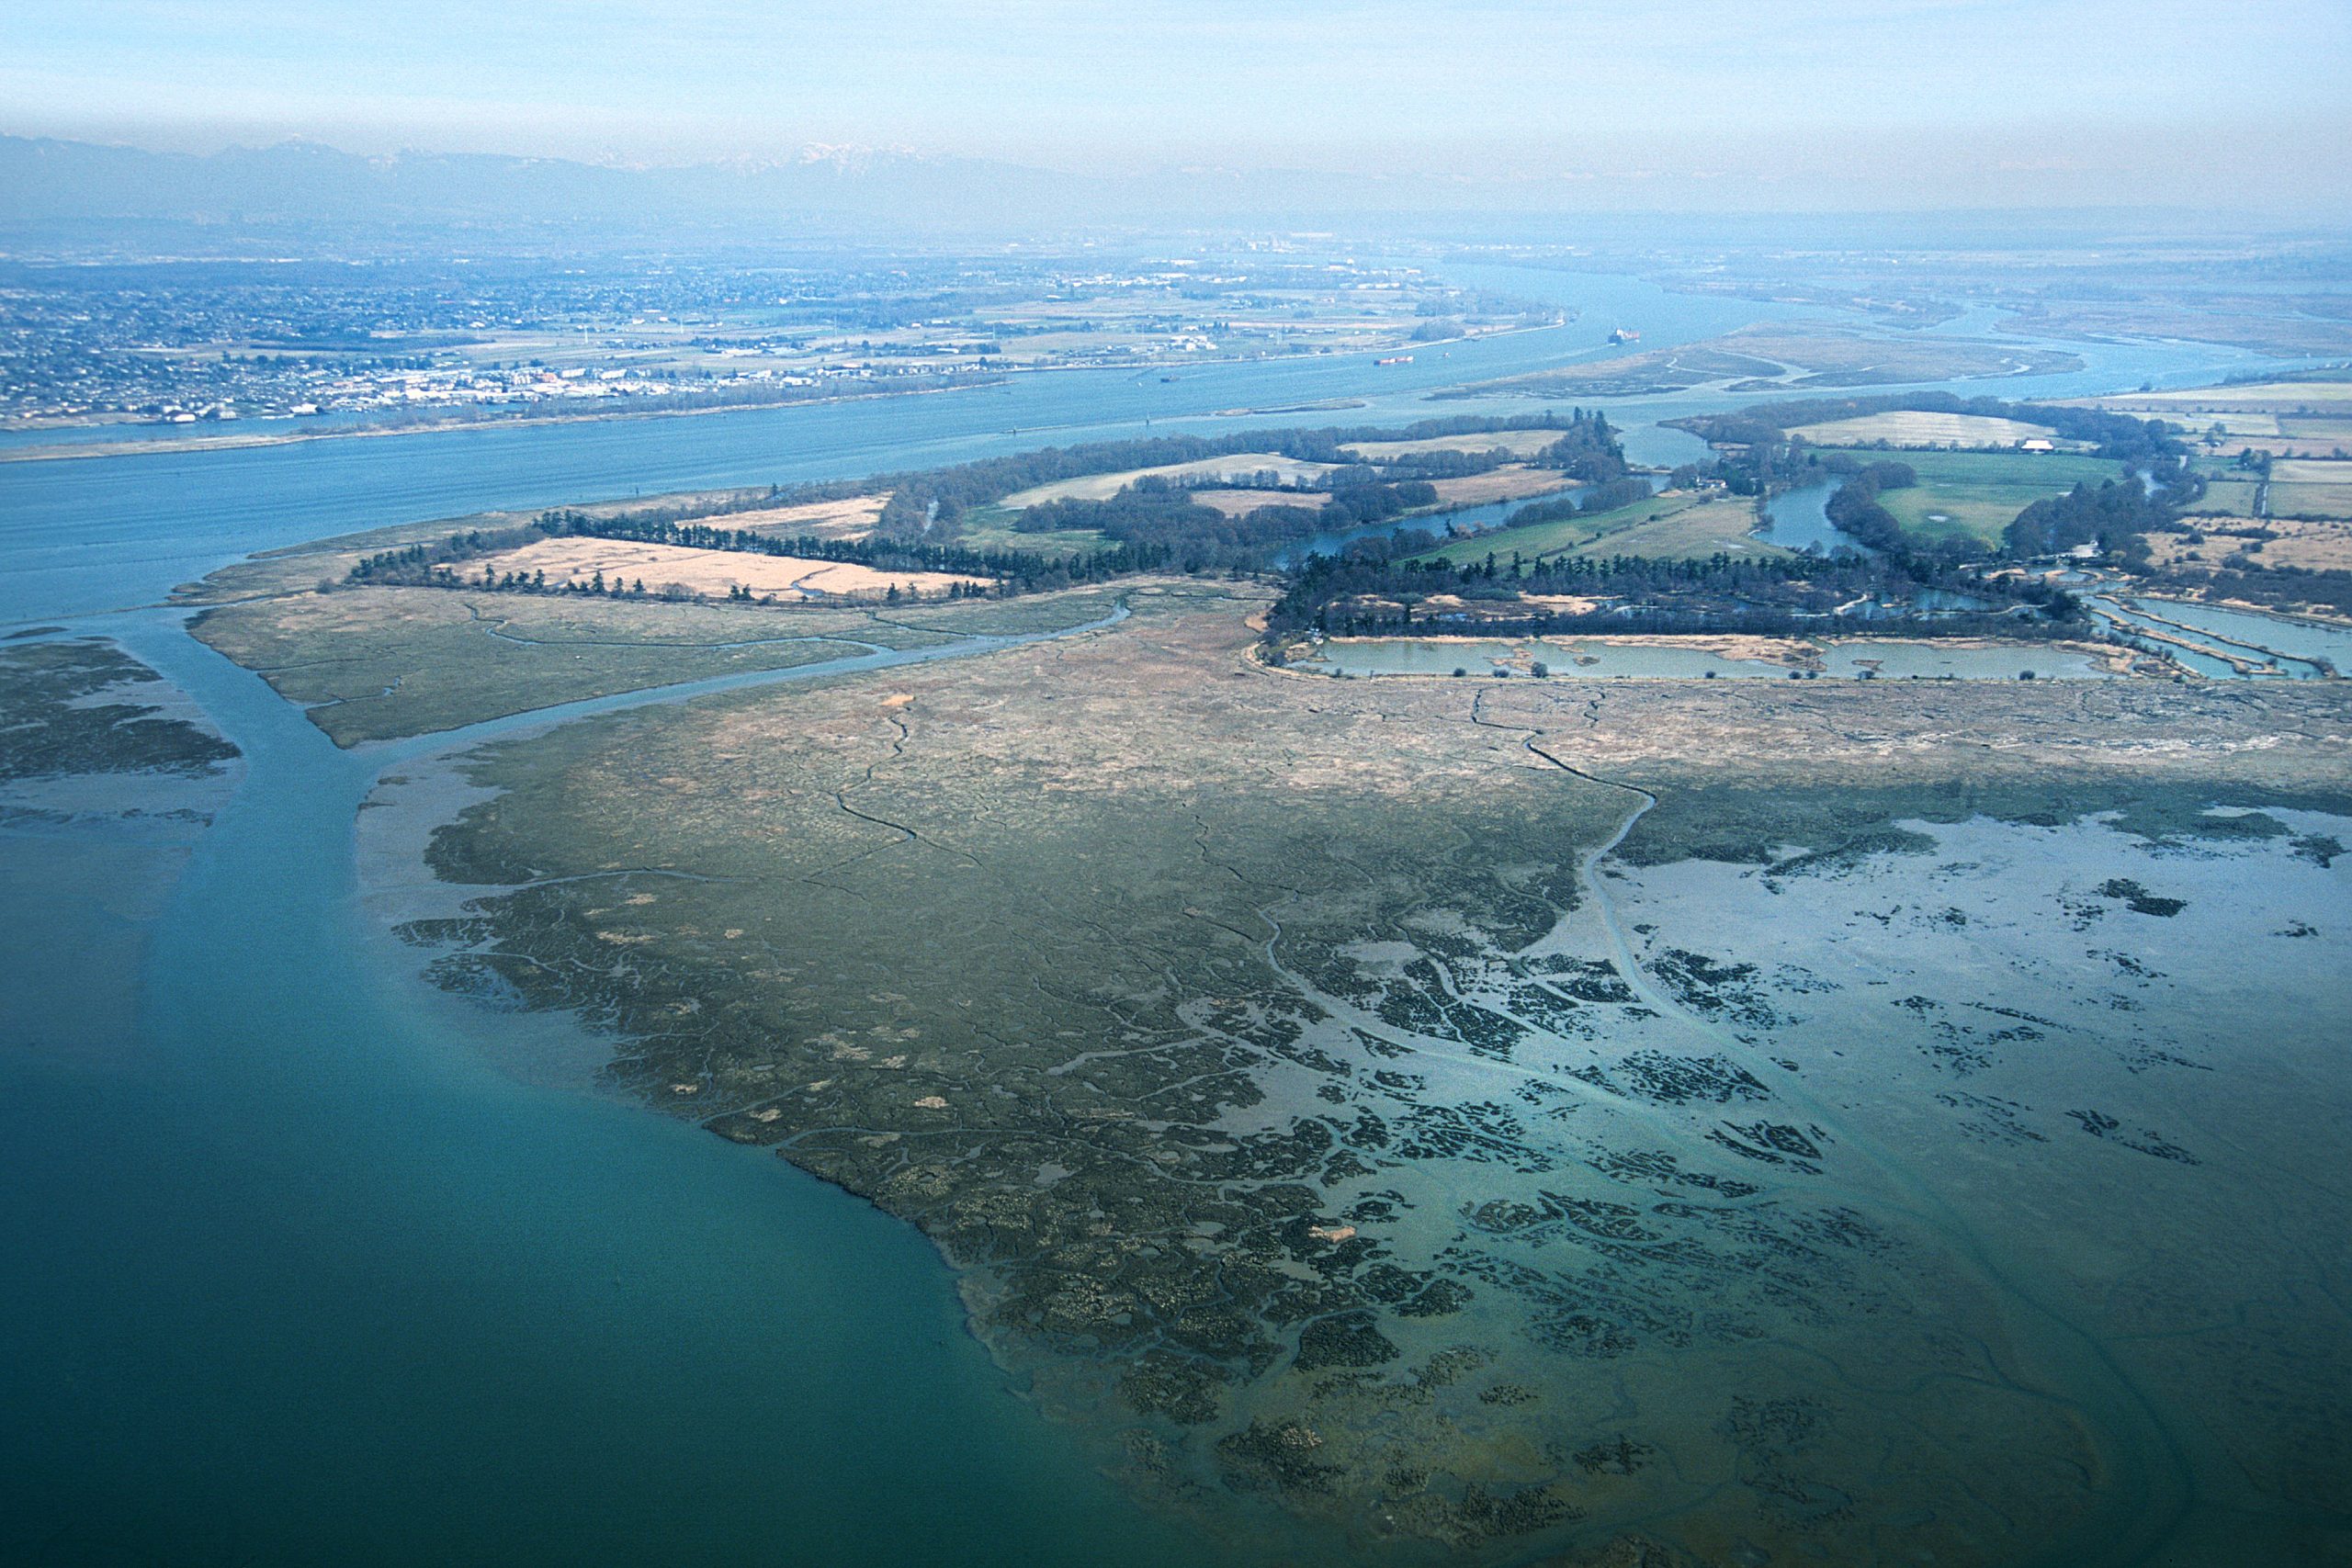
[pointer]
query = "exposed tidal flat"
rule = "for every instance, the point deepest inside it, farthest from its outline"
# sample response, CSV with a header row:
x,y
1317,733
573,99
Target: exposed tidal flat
x,y
306,1281
108,775
1734,1123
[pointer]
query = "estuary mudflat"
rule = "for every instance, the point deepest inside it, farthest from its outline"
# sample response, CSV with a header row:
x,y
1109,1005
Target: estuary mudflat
x,y
1483,1117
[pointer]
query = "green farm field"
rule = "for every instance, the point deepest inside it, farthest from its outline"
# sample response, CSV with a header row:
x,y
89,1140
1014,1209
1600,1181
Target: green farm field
x,y
1717,524
2310,488
1980,494
991,528
2229,494
1564,534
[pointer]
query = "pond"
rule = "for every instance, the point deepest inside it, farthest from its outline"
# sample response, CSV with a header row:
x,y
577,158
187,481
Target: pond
x,y
1701,659
2313,641
2227,644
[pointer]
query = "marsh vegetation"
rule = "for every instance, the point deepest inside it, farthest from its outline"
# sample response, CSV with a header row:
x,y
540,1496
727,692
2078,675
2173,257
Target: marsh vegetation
x,y
1328,1123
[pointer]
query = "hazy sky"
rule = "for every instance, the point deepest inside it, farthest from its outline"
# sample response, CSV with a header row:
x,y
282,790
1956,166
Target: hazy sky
x,y
1967,100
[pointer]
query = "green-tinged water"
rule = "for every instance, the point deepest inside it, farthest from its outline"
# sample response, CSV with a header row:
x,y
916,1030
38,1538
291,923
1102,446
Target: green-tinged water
x,y
301,1278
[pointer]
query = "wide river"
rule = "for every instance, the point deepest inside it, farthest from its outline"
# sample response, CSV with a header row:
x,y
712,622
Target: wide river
x,y
299,1275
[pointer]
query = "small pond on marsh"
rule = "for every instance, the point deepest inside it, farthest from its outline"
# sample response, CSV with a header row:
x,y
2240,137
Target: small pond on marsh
x,y
1701,658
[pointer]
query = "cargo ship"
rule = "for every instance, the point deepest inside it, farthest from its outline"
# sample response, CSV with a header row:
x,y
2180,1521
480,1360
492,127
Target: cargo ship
x,y
1395,359
1624,334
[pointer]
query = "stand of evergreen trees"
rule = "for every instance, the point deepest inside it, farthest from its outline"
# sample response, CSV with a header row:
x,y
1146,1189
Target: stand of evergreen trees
x,y
1152,525
930,504
2120,438
2112,516
1719,592
1154,511
1854,511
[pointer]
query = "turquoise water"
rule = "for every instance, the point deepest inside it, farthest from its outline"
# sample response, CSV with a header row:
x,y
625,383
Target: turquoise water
x,y
306,1281
300,1279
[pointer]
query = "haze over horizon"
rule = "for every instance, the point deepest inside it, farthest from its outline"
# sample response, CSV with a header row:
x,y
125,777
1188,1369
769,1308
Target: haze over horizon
x,y
1825,104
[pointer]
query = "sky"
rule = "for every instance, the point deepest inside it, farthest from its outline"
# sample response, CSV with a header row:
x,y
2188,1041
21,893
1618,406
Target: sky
x,y
1769,102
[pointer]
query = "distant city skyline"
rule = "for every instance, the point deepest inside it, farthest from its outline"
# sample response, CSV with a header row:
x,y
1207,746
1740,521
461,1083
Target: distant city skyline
x,y
1696,104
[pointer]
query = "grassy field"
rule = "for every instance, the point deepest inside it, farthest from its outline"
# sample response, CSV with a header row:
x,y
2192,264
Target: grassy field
x,y
2300,419
2300,487
1240,502
2260,396
991,528
2308,488
1519,443
1909,427
1240,466
1668,532
1721,523
2313,546
1980,494
851,518
2280,434
1512,481
2309,436
300,568
2229,495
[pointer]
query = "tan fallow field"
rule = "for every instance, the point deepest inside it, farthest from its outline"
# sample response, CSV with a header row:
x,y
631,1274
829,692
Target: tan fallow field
x,y
1911,427
852,517
1239,466
711,572
1240,502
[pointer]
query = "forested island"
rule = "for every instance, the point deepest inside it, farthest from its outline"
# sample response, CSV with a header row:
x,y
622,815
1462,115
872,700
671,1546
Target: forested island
x,y
955,520
1351,526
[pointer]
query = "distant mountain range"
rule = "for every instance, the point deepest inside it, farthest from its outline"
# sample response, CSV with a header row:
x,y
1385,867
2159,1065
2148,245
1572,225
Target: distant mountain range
x,y
821,192
828,192
49,182
89,193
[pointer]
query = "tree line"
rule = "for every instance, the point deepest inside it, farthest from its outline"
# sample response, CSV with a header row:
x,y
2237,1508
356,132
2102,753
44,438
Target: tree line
x,y
1358,593
2120,438
931,503
1197,537
436,564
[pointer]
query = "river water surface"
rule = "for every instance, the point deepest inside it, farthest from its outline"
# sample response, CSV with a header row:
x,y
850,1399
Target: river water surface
x,y
311,1282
